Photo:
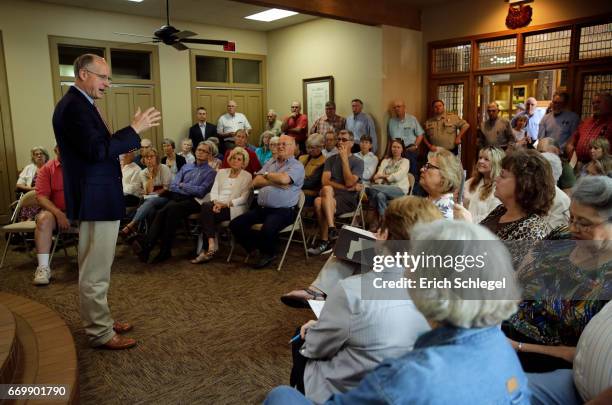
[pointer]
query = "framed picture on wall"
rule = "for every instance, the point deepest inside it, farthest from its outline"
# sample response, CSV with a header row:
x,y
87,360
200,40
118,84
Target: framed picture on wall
x,y
316,92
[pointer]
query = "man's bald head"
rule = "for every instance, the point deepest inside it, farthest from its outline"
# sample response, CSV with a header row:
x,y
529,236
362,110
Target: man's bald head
x,y
286,146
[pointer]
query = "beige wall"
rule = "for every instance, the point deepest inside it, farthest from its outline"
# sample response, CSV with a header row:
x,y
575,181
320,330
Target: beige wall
x,y
25,27
352,53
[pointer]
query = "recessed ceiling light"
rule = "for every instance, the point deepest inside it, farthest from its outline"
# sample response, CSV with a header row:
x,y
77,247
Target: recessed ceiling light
x,y
271,15
136,1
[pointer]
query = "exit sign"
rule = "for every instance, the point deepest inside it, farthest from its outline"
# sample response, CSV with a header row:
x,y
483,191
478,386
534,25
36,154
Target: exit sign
x,y
230,47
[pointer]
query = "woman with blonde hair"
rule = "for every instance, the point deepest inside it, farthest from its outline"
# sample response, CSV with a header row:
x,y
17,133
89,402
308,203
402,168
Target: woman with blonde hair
x,y
229,198
479,196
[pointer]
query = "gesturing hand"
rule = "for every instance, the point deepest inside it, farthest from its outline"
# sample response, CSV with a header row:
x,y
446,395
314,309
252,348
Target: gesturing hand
x,y
145,120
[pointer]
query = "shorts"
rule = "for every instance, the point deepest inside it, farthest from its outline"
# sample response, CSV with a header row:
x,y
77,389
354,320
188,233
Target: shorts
x,y
346,201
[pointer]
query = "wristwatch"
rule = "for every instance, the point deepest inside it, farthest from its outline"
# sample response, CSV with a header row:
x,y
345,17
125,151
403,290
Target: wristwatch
x,y
265,175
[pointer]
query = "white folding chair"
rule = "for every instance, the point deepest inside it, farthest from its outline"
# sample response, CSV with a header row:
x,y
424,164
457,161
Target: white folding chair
x,y
15,227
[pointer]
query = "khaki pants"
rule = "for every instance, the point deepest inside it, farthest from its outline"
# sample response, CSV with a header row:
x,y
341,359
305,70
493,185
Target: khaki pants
x,y
97,241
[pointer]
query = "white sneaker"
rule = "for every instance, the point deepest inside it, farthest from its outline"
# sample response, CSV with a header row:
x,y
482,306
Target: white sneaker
x,y
42,275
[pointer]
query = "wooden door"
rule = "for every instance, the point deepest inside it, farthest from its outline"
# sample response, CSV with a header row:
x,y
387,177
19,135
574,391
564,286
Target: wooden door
x,y
214,100
250,103
8,161
144,98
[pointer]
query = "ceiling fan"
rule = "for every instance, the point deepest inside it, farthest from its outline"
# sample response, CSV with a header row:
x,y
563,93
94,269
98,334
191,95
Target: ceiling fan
x,y
177,39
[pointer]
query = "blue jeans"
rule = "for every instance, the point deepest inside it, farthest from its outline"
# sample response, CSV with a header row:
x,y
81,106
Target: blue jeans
x,y
379,196
148,207
556,387
286,395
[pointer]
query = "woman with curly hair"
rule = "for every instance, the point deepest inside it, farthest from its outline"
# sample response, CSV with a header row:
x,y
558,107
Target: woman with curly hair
x,y
526,188
479,196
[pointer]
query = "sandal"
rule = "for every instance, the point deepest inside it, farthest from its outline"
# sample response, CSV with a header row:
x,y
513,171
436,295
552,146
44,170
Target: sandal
x,y
297,298
204,257
127,233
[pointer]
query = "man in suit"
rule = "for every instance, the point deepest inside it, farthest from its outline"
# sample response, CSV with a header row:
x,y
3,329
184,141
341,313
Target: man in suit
x,y
201,130
93,190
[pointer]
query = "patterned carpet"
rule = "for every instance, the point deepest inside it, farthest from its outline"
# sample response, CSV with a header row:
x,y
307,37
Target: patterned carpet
x,y
210,334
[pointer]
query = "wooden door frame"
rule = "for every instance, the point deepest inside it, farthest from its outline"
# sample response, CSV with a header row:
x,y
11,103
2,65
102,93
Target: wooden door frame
x,y
7,130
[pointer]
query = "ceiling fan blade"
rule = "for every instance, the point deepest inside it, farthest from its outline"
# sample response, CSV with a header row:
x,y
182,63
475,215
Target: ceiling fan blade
x,y
133,35
204,41
184,34
179,46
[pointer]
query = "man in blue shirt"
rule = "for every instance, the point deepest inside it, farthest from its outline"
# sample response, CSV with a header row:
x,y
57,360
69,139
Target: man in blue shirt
x,y
360,124
279,182
560,123
534,116
187,192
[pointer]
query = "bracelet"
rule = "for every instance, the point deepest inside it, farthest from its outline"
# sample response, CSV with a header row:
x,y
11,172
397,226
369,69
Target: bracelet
x,y
519,347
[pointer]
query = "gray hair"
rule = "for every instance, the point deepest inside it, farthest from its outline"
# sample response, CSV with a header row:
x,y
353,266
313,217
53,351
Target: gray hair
x,y
555,164
450,305
595,192
272,112
214,150
315,139
39,149
83,62
168,141
275,139
145,142
264,133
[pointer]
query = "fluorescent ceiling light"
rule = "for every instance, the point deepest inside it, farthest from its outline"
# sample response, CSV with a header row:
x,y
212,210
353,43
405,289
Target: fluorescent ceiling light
x,y
136,1
271,15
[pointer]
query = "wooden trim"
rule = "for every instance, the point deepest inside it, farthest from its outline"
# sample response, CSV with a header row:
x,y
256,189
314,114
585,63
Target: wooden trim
x,y
7,129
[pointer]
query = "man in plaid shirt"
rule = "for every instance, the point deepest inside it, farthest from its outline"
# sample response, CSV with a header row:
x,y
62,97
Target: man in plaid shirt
x,y
599,125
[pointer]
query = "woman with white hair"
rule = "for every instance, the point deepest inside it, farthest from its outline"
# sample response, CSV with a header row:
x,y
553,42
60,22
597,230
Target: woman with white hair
x,y
313,162
274,141
213,160
465,358
479,195
566,282
440,177
229,198
27,178
558,214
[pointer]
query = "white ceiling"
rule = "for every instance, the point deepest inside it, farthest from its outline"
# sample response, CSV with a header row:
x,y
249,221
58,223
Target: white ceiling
x,y
222,13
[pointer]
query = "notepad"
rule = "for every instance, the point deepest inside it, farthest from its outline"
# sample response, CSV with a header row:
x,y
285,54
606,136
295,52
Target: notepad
x,y
316,306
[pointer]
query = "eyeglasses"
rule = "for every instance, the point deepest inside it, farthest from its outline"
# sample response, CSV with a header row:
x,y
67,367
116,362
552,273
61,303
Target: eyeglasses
x,y
202,150
343,139
583,226
103,77
428,166
284,143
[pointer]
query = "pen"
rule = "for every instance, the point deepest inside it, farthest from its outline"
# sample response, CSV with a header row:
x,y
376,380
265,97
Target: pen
x,y
295,338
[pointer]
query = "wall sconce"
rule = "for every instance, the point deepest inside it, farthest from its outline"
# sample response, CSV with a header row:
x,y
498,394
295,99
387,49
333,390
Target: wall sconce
x,y
519,13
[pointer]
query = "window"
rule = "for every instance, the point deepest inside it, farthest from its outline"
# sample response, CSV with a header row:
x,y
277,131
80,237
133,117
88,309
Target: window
x,y
452,95
497,54
246,71
452,59
211,69
129,64
67,55
548,47
596,41
593,84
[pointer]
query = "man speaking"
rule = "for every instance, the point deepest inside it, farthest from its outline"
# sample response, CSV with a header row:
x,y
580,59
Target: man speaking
x,y
93,190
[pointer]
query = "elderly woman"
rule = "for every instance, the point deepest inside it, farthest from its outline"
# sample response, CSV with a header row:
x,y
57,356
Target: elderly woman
x,y
389,182
353,335
171,159
187,150
155,179
229,198
479,195
274,141
213,160
440,177
465,358
526,188
130,179
313,163
263,151
27,178
566,282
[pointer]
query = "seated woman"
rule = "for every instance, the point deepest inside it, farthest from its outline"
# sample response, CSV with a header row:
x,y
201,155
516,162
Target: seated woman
x,y
187,150
601,160
465,358
566,282
479,192
229,198
155,179
389,182
440,177
370,160
27,180
406,212
353,335
171,159
213,159
130,178
274,141
313,163
263,152
526,188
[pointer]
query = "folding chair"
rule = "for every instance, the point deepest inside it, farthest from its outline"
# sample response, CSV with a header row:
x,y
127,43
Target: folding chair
x,y
354,214
411,182
59,236
296,225
27,200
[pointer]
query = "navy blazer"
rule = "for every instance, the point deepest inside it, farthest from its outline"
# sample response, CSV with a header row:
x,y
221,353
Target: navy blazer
x,y
90,157
195,133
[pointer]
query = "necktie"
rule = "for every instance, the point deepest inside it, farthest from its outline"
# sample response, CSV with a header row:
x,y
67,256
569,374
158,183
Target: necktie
x,y
103,120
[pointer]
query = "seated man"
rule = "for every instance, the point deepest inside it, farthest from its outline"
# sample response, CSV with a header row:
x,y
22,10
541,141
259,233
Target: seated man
x,y
279,183
330,144
240,139
338,195
187,192
370,160
50,196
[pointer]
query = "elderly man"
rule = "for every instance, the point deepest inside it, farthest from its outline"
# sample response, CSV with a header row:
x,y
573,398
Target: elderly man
x,y
441,129
495,131
145,144
560,123
50,196
361,124
187,192
328,122
407,128
296,125
241,140
201,130
600,124
339,194
329,146
279,183
272,123
534,116
231,122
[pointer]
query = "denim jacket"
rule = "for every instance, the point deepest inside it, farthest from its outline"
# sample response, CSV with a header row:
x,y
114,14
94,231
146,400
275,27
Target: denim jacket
x,y
447,366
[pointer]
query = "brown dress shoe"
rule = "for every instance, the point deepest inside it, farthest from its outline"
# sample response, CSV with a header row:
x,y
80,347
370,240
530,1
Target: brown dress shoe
x,y
122,327
119,342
